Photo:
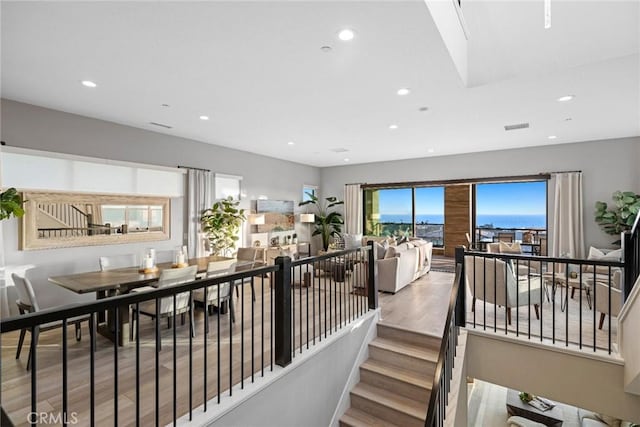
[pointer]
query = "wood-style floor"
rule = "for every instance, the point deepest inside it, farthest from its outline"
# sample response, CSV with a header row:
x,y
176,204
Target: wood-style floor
x,y
420,306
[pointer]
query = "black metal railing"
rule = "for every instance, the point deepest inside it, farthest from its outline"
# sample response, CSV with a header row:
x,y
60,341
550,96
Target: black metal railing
x,y
274,316
631,250
439,397
505,288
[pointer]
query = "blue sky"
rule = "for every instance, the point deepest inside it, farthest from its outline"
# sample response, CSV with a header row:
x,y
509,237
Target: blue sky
x,y
524,198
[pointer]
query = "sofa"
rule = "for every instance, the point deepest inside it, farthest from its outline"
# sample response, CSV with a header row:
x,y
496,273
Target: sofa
x,y
574,417
400,264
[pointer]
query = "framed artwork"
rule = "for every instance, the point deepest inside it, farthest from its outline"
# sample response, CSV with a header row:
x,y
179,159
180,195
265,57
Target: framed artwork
x,y
278,214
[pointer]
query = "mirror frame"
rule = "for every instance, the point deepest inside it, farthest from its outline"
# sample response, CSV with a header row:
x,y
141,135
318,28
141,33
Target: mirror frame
x,y
29,233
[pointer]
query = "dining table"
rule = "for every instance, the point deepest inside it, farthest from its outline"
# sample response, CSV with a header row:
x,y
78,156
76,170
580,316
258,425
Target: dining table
x,y
120,281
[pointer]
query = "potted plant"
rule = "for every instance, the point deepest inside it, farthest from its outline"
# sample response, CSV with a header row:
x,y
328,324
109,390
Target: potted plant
x,y
222,222
10,204
619,217
328,223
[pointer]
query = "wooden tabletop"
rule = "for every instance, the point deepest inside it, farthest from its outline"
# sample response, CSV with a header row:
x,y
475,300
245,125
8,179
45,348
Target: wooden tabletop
x,y
120,278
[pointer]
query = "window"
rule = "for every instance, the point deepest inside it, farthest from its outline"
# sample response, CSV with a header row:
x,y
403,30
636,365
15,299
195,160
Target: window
x,y
227,185
390,212
137,218
307,190
429,208
511,211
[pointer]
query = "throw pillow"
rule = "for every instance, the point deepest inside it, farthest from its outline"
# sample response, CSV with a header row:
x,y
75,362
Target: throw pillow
x,y
379,250
352,241
391,252
602,255
610,421
510,248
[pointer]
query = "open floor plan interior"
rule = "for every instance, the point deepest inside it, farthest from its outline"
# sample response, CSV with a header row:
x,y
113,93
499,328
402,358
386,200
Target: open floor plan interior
x,y
320,213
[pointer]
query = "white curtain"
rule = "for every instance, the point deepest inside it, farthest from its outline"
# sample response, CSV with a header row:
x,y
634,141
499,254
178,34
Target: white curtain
x,y
198,199
567,239
353,209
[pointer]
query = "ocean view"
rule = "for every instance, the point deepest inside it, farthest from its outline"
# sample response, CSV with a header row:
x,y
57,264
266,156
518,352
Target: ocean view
x,y
499,221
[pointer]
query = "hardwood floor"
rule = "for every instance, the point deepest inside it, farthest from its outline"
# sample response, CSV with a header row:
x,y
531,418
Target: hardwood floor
x,y
243,349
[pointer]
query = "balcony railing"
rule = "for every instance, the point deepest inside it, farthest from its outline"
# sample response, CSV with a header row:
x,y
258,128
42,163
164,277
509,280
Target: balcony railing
x,y
431,232
164,375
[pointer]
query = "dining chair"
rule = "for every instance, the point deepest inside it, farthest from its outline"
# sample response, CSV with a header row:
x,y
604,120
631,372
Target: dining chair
x,y
118,261
505,237
213,298
27,303
247,261
169,277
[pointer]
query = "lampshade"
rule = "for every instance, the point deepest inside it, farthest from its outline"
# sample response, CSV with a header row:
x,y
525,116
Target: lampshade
x,y
256,219
307,217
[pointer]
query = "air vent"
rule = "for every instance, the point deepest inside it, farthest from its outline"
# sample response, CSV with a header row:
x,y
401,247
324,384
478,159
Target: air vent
x,y
518,126
161,125
339,150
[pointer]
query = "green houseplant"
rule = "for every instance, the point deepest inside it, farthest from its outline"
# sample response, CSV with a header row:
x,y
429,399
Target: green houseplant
x,y
222,222
328,222
10,204
621,215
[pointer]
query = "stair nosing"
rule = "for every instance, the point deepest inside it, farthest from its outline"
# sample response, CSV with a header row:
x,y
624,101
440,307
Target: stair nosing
x,y
356,410
371,365
418,414
428,355
413,331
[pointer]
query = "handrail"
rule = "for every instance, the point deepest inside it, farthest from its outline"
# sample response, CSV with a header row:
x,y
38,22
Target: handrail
x,y
29,320
539,258
436,388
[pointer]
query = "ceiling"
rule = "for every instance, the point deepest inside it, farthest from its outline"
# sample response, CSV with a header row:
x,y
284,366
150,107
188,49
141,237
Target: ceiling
x,y
256,69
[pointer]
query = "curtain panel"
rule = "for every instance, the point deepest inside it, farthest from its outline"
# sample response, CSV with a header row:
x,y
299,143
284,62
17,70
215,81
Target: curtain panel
x,y
353,209
567,239
199,187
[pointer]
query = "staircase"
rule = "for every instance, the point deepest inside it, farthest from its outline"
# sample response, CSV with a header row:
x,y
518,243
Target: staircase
x,y
395,382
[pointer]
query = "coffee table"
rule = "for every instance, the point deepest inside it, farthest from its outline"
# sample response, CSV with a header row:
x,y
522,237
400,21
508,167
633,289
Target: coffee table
x,y
515,406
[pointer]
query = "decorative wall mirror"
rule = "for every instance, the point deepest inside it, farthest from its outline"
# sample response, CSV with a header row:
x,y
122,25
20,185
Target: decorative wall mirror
x,y
61,220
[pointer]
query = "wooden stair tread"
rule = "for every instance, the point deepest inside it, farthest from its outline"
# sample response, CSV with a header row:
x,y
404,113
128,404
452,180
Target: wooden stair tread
x,y
357,418
410,407
401,374
427,354
400,333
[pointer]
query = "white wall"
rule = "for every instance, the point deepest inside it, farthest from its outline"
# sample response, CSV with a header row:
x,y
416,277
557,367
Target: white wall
x,y
29,126
580,379
607,166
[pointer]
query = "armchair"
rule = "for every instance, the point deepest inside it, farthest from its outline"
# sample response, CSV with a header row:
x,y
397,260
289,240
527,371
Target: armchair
x,y
496,283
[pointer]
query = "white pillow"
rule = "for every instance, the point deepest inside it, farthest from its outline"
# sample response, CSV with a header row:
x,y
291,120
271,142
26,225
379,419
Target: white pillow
x,y
602,255
352,241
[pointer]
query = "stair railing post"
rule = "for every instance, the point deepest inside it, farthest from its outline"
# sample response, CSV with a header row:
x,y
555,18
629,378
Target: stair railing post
x,y
460,311
372,277
282,307
628,270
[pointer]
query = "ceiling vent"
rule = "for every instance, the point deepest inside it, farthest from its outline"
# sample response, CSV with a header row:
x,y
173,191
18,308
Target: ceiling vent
x,y
161,125
518,126
339,150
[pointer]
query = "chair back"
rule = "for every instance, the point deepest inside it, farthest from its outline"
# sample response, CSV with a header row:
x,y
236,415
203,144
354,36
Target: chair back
x,y
176,276
26,295
493,248
118,261
490,275
213,270
543,246
247,254
505,237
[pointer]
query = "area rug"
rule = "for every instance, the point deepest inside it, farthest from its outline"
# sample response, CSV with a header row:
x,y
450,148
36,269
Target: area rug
x,y
443,264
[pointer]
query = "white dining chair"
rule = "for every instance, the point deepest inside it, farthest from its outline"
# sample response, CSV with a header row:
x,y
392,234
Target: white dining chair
x,y
28,303
216,298
169,277
118,261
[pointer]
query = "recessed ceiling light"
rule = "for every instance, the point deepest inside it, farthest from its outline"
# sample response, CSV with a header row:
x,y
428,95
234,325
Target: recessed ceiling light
x,y
430,150
164,105
404,91
346,35
423,109
291,143
566,98
346,160
392,127
568,119
88,83
552,137
204,117
326,49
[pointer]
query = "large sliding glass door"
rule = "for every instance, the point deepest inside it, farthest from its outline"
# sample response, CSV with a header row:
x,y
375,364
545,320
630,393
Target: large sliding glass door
x,y
410,211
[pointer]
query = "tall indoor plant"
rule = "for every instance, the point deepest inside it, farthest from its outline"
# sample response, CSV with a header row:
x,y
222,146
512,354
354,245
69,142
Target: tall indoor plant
x,y
222,222
621,216
10,204
328,222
